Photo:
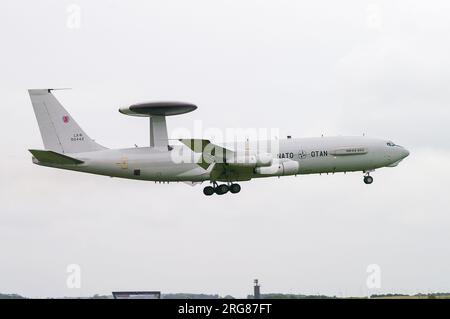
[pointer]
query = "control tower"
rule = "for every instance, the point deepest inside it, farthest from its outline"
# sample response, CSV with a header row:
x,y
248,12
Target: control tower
x,y
256,290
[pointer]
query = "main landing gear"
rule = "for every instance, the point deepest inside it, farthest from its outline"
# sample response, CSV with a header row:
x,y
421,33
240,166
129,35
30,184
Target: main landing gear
x,y
221,189
368,179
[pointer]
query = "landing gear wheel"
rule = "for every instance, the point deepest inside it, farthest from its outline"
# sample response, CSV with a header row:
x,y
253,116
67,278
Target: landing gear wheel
x,y
208,190
368,179
221,189
235,188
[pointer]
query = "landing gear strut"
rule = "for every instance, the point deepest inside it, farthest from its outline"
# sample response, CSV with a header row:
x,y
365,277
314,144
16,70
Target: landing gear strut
x,y
221,189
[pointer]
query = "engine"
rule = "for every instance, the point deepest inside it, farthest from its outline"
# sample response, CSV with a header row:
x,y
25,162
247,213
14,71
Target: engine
x,y
251,160
279,168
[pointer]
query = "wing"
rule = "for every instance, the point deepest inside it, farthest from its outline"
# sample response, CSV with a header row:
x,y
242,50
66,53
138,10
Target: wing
x,y
211,153
214,158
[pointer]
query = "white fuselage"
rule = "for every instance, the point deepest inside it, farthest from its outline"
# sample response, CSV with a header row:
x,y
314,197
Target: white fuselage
x,y
293,156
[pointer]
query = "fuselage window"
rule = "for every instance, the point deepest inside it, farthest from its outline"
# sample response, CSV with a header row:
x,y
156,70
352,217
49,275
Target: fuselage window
x,y
390,144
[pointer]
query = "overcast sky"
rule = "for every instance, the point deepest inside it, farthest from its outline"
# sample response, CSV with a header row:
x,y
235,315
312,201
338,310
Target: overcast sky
x,y
306,67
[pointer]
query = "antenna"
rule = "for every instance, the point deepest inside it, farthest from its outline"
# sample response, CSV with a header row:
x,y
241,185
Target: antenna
x,y
58,89
247,146
157,113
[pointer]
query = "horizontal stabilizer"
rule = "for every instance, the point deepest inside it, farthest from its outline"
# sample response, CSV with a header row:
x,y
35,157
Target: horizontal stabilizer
x,y
51,157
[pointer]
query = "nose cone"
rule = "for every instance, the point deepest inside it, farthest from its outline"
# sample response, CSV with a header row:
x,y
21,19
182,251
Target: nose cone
x,y
404,153
399,154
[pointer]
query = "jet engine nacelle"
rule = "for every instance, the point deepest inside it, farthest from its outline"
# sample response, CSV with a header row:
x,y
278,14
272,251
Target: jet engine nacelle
x,y
252,160
279,168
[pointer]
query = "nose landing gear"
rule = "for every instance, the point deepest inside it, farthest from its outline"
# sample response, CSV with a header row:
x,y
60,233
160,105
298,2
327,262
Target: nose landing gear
x,y
221,189
368,179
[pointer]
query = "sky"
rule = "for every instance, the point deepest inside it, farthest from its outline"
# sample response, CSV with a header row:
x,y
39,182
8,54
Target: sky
x,y
307,68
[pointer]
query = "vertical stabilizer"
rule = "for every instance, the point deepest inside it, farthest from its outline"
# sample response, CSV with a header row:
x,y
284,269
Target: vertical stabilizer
x,y
59,131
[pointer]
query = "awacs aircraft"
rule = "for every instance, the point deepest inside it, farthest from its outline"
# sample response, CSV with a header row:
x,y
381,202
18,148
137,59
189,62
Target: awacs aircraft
x,y
67,146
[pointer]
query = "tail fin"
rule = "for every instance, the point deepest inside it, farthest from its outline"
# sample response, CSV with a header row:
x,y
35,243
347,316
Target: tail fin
x,y
60,132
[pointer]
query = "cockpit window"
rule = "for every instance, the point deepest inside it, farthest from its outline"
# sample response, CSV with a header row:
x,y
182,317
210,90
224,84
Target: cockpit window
x,y
390,143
